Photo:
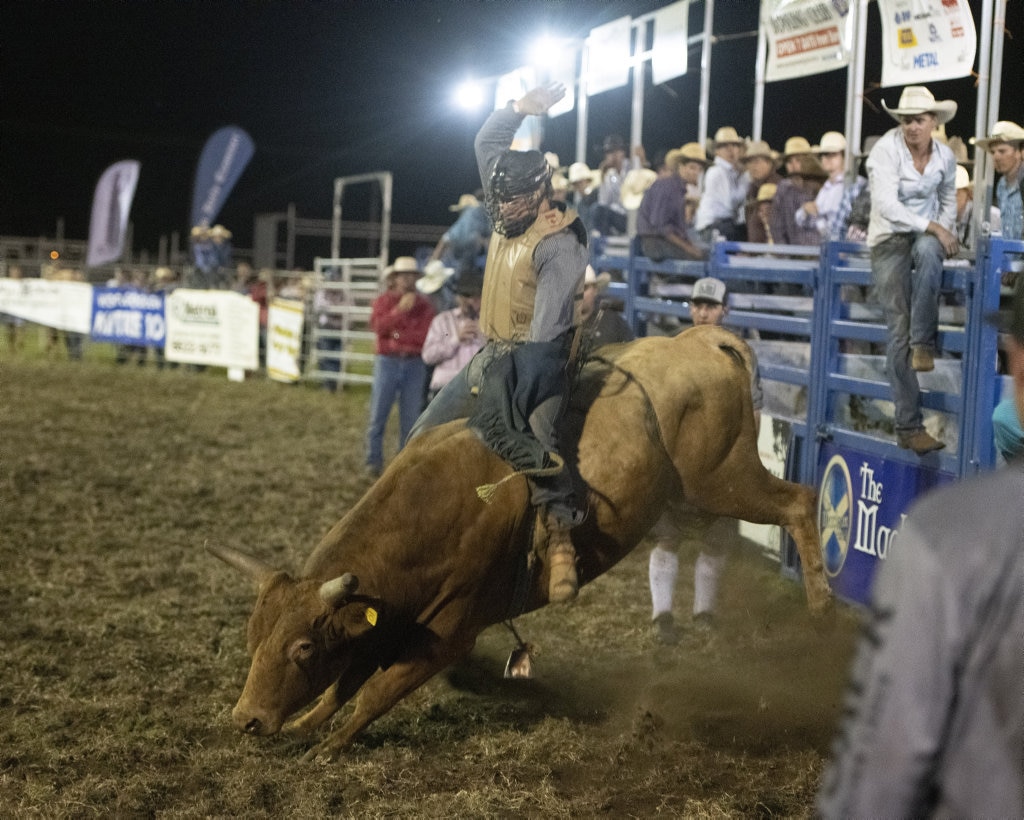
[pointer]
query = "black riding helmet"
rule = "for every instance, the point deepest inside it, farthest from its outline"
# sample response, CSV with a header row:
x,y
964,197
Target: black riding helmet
x,y
518,177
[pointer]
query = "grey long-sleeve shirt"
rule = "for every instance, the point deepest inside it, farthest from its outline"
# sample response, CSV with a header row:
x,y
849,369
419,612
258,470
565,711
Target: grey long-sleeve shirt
x,y
934,722
560,260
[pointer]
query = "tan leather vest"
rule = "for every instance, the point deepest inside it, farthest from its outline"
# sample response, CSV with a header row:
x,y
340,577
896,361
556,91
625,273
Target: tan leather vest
x,y
510,282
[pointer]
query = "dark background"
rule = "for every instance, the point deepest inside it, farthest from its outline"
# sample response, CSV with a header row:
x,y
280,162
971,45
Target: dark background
x,y
328,89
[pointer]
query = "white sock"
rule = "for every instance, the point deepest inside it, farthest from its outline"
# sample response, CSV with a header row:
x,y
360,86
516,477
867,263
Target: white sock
x,y
706,573
662,572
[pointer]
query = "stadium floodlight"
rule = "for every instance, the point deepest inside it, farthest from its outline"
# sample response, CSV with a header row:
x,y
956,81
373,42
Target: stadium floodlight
x,y
547,51
469,95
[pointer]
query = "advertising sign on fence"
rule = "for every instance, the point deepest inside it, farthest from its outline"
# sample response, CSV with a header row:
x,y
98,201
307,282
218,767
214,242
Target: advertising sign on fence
x,y
862,503
129,317
284,340
925,41
806,37
48,302
212,327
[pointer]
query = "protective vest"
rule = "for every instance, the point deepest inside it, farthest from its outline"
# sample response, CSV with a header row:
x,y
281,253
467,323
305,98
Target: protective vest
x,y
510,281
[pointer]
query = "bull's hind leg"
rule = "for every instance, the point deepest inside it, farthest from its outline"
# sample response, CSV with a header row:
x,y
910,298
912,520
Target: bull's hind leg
x,y
753,494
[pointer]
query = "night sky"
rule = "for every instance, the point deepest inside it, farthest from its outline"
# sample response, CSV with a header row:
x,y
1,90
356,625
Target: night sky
x,y
328,89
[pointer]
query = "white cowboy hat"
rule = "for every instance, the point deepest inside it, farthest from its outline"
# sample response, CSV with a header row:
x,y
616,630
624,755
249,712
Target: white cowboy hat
x,y
579,171
599,281
690,152
435,274
963,178
832,142
916,99
726,135
1002,131
403,264
634,186
796,145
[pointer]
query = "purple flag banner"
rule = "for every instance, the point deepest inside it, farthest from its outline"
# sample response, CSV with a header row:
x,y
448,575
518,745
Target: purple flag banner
x,y
110,206
224,157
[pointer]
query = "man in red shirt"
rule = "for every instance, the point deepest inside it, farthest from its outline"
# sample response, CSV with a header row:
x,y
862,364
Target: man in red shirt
x,y
401,318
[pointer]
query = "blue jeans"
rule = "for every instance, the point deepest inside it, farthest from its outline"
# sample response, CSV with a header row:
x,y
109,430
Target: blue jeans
x,y
907,272
394,377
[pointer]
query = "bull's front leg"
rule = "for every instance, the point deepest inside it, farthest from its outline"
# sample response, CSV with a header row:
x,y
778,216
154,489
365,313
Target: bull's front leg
x,y
336,696
383,691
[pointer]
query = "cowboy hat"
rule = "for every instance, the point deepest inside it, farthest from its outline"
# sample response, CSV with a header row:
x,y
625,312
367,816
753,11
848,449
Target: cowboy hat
x,y
760,148
435,274
578,172
916,99
690,152
796,145
403,264
465,201
598,280
1002,131
963,178
220,231
726,135
634,186
766,193
810,168
832,142
959,149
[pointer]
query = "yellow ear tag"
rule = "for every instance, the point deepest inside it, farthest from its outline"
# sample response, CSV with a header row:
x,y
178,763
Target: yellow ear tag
x,y
371,616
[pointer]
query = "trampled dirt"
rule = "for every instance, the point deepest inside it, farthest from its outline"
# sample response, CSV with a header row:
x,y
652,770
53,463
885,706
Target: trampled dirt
x,y
123,641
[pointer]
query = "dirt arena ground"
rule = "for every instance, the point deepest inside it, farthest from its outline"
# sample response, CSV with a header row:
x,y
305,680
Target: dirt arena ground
x,y
123,641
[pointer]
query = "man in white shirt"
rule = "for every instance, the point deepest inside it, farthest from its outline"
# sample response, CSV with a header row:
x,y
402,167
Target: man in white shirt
x,y
725,191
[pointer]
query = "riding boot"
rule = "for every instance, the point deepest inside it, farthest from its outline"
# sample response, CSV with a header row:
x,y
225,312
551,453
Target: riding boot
x,y
562,582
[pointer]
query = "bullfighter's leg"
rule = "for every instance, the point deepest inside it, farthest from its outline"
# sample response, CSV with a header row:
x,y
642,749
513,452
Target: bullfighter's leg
x,y
384,690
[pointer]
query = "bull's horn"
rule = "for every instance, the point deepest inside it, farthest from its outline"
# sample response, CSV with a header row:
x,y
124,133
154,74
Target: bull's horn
x,y
253,567
334,592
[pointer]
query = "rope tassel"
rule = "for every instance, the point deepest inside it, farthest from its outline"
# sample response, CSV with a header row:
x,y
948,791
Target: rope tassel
x,y
485,492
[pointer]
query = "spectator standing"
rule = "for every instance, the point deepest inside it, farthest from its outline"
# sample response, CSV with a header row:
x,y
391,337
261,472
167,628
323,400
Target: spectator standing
x,y
725,191
454,336
165,282
822,213
466,240
400,317
790,194
1006,145
708,307
583,192
934,717
761,164
662,225
912,230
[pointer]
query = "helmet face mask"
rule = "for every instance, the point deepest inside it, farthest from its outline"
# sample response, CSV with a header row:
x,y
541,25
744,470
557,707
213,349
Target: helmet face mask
x,y
519,183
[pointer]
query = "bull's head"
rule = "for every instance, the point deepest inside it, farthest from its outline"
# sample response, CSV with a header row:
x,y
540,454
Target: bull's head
x,y
300,638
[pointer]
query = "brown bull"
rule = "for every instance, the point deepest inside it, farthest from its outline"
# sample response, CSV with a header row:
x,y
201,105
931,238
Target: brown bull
x,y
403,584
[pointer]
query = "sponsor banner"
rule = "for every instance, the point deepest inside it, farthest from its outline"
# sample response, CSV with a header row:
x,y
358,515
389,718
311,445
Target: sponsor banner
x,y
806,37
224,157
213,327
862,503
773,447
926,40
284,339
671,35
127,316
111,203
609,56
63,305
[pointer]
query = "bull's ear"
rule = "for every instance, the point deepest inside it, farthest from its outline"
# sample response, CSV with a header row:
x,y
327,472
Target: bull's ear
x,y
335,592
256,569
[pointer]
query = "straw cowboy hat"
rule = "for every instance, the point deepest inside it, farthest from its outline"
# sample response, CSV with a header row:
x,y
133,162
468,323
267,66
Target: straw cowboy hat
x,y
435,274
220,232
760,148
916,99
959,149
580,171
832,142
465,201
726,135
1002,131
634,186
963,177
691,152
766,193
403,264
796,145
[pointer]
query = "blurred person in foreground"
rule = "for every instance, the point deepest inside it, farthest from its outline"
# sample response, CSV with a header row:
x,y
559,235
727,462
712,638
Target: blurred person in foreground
x,y
911,233
513,391
934,717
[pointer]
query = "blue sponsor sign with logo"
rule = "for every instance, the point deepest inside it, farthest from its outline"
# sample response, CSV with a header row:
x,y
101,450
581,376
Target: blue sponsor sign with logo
x,y
862,503
128,317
